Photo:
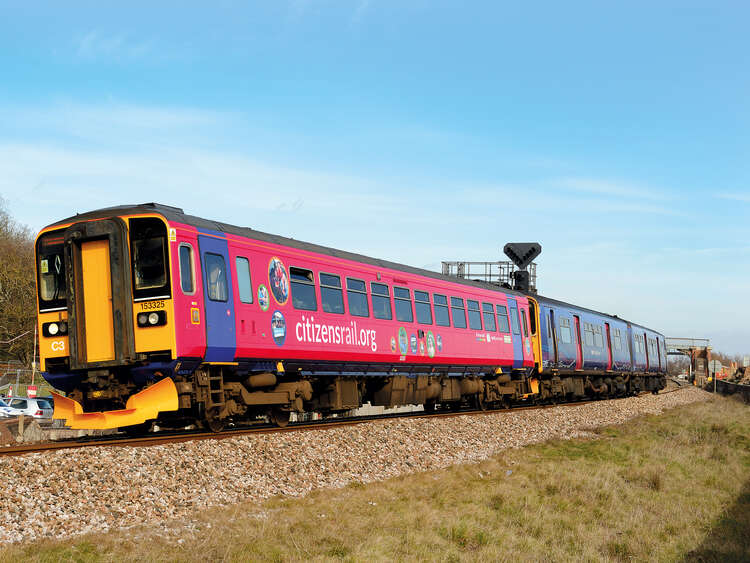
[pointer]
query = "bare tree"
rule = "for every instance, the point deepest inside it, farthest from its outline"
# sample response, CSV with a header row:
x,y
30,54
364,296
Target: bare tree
x,y
17,288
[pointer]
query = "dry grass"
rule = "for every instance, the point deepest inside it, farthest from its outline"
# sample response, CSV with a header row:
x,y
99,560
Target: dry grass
x,y
671,487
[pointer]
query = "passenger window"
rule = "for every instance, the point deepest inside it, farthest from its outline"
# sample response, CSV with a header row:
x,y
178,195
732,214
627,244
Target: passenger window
x,y
402,302
502,318
302,283
381,301
488,313
458,312
356,293
514,320
331,295
598,337
523,321
244,285
422,307
442,317
216,277
187,269
565,335
475,318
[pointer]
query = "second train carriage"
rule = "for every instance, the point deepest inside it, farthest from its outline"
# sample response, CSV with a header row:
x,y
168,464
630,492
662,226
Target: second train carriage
x,y
145,311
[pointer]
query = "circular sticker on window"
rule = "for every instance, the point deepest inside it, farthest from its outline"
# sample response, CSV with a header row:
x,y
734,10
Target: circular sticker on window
x,y
413,340
393,344
278,280
278,328
430,344
264,300
403,341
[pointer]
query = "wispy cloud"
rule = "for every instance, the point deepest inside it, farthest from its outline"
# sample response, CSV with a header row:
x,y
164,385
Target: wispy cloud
x,y
613,188
744,197
119,46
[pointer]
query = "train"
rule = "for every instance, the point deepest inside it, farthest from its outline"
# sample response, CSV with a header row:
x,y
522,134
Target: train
x,y
146,313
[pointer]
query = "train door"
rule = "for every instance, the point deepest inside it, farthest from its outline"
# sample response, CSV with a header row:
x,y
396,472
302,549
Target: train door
x,y
221,337
609,346
658,352
579,349
552,335
516,330
645,349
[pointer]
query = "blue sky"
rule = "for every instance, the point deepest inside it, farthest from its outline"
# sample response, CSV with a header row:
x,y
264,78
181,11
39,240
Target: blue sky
x,y
618,136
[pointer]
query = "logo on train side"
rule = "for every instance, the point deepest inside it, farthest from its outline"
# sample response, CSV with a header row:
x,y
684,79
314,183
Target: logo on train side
x,y
278,280
264,300
403,341
278,328
430,344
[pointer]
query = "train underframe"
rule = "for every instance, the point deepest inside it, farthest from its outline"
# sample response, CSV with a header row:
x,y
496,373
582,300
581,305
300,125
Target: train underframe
x,y
215,396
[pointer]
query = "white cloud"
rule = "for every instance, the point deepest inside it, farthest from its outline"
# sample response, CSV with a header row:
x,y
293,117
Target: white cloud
x,y
743,197
119,46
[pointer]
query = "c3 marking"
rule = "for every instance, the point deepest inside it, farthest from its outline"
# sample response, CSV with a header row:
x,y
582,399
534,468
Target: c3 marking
x,y
58,346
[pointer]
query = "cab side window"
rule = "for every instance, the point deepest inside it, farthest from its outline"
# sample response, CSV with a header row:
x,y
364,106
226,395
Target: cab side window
x,y
187,269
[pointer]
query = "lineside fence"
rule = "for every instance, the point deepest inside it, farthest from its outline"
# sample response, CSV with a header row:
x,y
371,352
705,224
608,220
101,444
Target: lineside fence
x,y
14,382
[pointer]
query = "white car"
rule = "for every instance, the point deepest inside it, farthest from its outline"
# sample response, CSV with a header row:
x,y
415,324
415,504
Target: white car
x,y
4,407
34,408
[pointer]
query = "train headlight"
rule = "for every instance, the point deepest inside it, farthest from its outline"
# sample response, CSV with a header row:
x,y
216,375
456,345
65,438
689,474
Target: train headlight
x,y
154,318
53,329
63,328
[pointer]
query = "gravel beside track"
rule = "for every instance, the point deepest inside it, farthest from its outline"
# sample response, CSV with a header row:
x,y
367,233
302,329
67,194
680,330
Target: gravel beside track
x,y
64,493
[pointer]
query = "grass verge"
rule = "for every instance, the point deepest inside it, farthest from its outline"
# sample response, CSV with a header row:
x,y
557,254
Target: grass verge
x,y
669,487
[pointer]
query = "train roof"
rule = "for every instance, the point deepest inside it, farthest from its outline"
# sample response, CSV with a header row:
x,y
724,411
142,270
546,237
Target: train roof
x,y
177,214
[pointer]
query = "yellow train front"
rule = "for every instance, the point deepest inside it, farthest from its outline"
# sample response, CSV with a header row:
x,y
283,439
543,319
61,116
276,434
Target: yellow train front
x,y
106,317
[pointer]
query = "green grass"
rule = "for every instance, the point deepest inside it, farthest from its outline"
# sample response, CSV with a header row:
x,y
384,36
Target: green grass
x,y
664,488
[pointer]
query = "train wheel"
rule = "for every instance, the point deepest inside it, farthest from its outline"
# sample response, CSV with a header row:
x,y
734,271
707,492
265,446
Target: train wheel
x,y
429,406
213,422
481,404
279,417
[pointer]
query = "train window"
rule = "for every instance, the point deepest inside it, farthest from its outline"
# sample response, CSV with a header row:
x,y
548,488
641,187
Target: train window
x,y
488,313
148,250
402,303
525,326
616,339
381,301
475,317
302,283
458,313
187,269
422,307
244,283
502,318
331,296
356,294
216,277
565,335
549,326
598,337
514,323
442,317
51,271
588,334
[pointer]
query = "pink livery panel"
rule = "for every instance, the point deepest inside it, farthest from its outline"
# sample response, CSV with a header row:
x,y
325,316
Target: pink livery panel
x,y
278,300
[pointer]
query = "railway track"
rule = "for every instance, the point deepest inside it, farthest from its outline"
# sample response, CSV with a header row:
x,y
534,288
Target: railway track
x,y
171,437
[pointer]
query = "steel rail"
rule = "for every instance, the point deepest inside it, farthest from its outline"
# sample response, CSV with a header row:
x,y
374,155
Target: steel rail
x,y
170,437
